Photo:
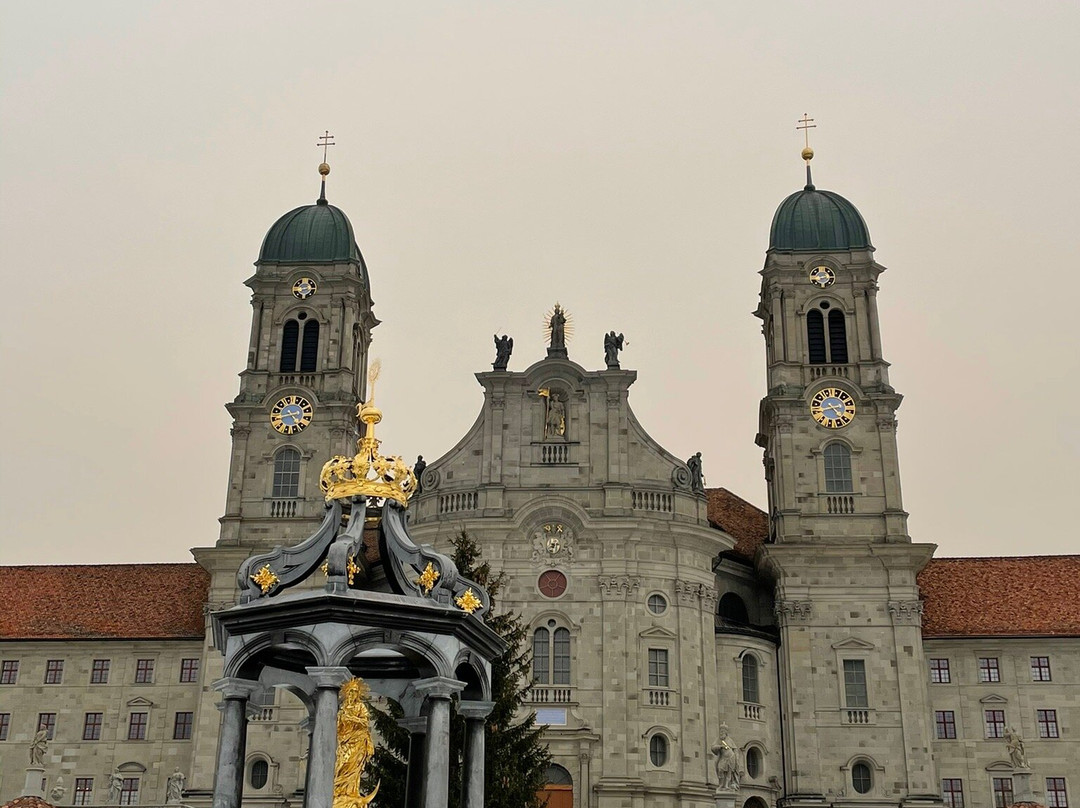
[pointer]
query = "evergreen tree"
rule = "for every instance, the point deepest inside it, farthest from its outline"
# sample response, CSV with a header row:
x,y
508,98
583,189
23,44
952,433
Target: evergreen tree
x,y
516,758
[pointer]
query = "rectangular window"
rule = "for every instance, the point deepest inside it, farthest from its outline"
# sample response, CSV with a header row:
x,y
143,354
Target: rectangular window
x,y
182,727
946,723
5,725
99,672
54,671
137,727
144,671
658,667
1047,721
84,791
91,730
855,684
129,791
838,469
939,671
9,671
286,473
988,669
1055,793
541,656
952,788
47,722
1003,793
560,657
189,670
995,723
1040,669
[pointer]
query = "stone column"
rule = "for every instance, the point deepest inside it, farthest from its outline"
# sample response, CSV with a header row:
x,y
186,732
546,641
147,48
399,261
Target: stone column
x,y
232,741
475,714
414,778
33,787
437,693
322,753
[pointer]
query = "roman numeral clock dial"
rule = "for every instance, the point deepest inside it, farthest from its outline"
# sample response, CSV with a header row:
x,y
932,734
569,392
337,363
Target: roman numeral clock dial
x,y
291,414
832,407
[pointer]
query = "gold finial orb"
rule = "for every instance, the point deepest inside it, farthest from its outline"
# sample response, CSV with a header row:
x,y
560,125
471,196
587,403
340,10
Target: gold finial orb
x,y
808,154
324,168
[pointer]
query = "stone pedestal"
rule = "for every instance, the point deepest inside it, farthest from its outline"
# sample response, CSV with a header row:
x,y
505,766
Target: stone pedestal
x,y
32,787
725,798
1021,779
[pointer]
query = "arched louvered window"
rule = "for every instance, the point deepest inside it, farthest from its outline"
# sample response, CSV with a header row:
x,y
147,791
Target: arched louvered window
x,y
732,609
309,354
287,473
290,337
815,337
838,469
837,338
541,656
750,692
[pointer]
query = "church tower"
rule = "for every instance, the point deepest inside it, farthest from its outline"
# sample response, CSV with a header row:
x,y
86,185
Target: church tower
x,y
839,554
306,371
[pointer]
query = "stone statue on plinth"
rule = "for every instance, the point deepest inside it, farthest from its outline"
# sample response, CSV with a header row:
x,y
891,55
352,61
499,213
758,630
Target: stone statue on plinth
x,y
116,785
174,786
557,327
1015,746
504,346
418,470
697,476
613,343
728,770
38,747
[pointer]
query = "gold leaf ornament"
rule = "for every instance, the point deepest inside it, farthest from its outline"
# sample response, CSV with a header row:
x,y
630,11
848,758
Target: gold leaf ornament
x,y
468,602
265,578
428,578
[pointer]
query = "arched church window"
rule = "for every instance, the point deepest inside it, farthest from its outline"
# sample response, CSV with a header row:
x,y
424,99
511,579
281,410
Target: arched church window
x,y
861,778
658,750
309,353
838,468
750,691
290,338
815,337
551,655
732,609
259,773
286,473
837,338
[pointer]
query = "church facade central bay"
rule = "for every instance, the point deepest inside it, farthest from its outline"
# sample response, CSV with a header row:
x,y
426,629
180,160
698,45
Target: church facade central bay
x,y
682,640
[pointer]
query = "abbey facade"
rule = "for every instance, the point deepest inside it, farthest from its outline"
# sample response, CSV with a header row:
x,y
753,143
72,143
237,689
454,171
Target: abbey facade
x,y
815,651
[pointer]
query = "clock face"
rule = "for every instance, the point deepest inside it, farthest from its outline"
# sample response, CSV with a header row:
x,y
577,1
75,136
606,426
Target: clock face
x,y
291,414
304,288
832,407
822,276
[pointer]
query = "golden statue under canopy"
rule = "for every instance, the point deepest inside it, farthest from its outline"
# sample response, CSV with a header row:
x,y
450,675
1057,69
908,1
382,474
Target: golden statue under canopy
x,y
354,746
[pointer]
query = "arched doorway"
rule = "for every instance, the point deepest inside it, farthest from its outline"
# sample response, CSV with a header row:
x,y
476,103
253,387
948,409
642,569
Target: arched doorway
x,y
755,802
559,791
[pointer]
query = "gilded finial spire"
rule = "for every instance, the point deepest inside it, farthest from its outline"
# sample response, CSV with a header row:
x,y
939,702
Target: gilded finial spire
x,y
326,140
805,124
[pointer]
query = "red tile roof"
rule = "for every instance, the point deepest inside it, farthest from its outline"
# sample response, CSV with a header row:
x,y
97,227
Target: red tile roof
x,y
746,523
27,802
1026,596
128,601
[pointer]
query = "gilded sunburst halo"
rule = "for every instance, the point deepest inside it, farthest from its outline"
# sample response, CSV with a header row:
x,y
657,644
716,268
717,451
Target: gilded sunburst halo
x,y
568,328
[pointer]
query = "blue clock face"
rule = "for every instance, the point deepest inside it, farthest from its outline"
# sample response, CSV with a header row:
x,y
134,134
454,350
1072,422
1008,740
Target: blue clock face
x,y
833,408
291,414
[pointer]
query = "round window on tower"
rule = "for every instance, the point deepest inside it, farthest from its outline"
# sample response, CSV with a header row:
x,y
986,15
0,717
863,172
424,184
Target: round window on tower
x,y
657,603
551,583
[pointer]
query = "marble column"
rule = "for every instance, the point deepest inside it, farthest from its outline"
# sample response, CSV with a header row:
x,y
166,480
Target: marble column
x,y
232,741
475,714
437,693
414,778
322,753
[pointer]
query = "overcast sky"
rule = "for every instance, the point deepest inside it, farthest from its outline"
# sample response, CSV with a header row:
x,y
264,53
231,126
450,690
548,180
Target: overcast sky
x,y
623,158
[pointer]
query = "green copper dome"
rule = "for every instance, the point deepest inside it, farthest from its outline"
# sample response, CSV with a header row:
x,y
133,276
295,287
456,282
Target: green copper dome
x,y
819,221
312,234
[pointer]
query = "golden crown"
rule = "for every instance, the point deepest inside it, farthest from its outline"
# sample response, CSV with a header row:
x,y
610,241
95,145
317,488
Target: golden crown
x,y
368,473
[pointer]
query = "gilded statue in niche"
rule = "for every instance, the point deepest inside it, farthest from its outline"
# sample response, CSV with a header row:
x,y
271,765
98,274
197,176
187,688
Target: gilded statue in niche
x,y
354,746
554,413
